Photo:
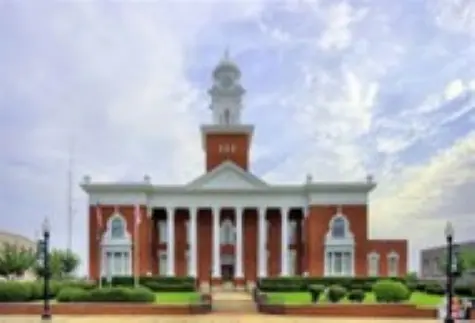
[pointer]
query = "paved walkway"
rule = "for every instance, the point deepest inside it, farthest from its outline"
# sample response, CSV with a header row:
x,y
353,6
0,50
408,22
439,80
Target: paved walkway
x,y
210,318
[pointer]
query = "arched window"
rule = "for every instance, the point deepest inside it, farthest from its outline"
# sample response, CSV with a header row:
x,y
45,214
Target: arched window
x,y
117,228
227,117
339,228
227,232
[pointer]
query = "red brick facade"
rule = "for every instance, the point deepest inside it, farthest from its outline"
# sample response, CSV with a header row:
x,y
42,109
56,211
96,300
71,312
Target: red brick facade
x,y
310,251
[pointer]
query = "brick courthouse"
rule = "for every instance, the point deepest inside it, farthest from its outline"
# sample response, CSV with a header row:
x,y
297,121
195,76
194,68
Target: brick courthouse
x,y
228,224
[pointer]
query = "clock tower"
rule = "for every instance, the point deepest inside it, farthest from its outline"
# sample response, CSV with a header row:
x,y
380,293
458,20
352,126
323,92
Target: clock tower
x,y
226,138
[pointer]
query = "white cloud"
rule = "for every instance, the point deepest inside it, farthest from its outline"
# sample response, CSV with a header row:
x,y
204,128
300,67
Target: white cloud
x,y
120,81
337,20
454,89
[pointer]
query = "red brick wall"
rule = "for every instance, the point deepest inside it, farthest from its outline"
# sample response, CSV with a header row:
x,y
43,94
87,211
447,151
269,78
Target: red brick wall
x,y
240,156
384,248
128,213
317,226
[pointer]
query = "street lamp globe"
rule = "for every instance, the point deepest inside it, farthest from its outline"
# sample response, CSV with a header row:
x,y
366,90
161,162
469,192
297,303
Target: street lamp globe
x,y
449,230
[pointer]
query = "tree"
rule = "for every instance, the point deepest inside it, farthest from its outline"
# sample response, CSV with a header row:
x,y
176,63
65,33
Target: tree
x,y
70,262
15,260
62,263
465,260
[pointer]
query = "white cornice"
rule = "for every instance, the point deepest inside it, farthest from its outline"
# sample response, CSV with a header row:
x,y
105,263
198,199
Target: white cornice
x,y
140,187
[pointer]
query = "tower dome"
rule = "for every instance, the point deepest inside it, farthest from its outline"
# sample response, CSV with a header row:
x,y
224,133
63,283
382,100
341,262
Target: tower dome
x,y
226,67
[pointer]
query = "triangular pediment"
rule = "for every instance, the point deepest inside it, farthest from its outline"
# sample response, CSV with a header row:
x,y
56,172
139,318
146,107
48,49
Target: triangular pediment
x,y
227,176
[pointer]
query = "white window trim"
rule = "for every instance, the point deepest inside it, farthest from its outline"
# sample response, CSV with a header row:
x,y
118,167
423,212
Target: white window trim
x,y
111,246
393,256
350,272
373,264
344,245
162,231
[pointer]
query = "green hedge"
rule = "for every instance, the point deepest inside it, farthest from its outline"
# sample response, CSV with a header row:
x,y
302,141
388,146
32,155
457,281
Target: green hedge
x,y
112,294
23,291
155,283
297,284
391,291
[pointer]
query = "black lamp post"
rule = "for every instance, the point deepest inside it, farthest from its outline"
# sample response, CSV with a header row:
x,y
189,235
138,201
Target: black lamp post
x,y
449,233
46,315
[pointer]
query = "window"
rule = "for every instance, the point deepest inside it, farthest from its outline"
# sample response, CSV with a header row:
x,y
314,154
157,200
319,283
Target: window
x,y
227,232
292,262
339,263
373,264
338,228
117,228
393,264
188,232
116,263
292,232
162,263
162,231
187,262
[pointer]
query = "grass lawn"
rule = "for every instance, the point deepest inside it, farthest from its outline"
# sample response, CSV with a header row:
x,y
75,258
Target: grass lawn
x,y
302,298
177,298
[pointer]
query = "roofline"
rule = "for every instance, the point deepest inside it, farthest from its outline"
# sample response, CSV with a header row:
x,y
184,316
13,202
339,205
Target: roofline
x,y
139,187
455,244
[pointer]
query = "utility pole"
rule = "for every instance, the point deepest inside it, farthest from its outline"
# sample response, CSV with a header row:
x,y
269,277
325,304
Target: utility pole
x,y
70,210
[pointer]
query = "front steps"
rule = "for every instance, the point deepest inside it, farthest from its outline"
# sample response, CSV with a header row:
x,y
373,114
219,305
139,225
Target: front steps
x,y
233,302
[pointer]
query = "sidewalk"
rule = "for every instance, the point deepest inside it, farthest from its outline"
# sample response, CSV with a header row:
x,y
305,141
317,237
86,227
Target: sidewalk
x,y
210,318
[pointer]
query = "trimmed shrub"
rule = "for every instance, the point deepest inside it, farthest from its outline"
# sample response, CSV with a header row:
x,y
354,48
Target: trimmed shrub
x,y
112,294
72,294
155,283
15,291
121,294
434,289
315,292
356,295
389,291
336,293
464,290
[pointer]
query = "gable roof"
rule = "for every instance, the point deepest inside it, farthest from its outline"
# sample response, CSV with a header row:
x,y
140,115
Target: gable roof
x,y
227,176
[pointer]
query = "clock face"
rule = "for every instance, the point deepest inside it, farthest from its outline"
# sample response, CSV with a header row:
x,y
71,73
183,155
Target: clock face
x,y
227,81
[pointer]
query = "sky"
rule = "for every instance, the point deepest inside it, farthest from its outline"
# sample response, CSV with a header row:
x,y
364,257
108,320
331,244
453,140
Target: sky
x,y
352,88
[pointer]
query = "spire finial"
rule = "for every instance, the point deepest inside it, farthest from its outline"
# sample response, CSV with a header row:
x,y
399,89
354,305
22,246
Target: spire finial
x,y
226,53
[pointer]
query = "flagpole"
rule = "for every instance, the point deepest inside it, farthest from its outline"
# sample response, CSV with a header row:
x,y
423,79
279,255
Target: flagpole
x,y
137,244
98,238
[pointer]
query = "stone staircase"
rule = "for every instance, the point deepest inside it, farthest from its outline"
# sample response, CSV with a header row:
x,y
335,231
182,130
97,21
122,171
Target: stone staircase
x,y
233,302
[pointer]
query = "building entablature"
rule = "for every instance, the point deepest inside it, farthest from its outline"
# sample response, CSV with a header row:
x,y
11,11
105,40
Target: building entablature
x,y
229,186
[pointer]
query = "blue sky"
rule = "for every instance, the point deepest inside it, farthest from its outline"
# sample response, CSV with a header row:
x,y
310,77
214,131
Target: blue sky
x,y
350,87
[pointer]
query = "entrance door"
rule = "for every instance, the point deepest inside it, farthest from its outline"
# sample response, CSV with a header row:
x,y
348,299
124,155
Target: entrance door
x,y
227,272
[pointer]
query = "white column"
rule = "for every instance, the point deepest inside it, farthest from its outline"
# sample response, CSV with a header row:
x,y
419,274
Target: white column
x,y
239,214
171,241
262,248
284,263
216,243
193,242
